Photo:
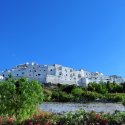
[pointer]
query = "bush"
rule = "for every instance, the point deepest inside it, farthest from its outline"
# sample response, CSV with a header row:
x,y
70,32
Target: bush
x,y
99,88
77,92
47,94
55,96
64,97
116,97
91,96
91,118
20,98
68,88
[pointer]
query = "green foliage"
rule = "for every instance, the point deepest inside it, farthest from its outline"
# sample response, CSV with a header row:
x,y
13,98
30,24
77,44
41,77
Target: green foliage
x,y
89,118
101,91
123,102
80,117
114,87
77,91
55,96
99,88
115,97
47,94
62,97
20,98
91,96
68,88
70,118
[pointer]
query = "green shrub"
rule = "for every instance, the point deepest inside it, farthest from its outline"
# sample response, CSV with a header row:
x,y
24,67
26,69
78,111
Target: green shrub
x,y
90,118
20,98
55,96
91,96
77,91
68,88
99,88
47,95
64,97
116,97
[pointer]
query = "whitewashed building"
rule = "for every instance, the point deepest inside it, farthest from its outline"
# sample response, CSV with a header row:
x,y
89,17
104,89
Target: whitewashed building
x,y
59,74
1,78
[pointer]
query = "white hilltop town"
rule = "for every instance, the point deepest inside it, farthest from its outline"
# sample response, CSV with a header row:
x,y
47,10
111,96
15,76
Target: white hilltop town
x,y
59,74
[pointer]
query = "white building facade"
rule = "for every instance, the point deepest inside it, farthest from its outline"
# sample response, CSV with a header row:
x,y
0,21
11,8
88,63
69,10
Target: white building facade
x,y
59,74
1,78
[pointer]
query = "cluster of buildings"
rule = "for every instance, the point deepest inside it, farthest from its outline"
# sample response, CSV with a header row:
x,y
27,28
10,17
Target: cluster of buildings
x,y
59,74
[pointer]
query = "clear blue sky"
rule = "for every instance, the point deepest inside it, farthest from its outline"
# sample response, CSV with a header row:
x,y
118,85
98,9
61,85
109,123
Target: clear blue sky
x,y
86,34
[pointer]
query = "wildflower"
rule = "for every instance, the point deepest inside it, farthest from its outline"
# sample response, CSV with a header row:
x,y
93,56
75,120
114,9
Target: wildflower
x,y
37,124
1,120
47,123
10,120
97,116
35,116
42,115
104,122
30,123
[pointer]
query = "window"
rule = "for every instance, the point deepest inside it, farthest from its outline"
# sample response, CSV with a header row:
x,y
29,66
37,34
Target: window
x,y
3,75
70,75
30,70
39,74
60,68
34,70
17,74
22,72
44,70
51,70
66,74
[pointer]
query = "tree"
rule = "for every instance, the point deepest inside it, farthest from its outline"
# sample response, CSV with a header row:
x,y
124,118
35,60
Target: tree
x,y
99,88
68,88
77,92
20,98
